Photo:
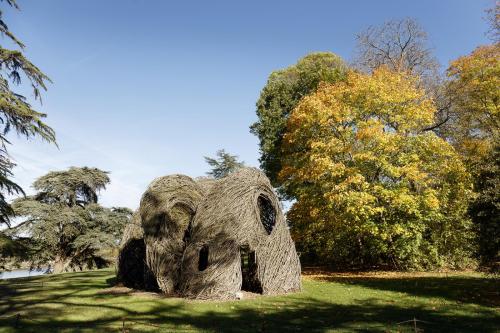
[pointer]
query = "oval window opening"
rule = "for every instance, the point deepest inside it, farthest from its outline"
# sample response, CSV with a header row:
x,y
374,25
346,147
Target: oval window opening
x,y
203,260
267,213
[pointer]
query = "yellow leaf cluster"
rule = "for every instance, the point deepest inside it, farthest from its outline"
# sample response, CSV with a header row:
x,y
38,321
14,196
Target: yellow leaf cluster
x,y
356,152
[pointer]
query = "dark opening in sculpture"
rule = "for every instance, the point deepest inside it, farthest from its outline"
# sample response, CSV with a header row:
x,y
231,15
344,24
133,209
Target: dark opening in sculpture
x,y
249,279
133,272
203,261
132,260
267,213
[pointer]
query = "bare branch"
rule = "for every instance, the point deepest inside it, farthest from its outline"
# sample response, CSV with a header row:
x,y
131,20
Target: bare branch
x,y
399,44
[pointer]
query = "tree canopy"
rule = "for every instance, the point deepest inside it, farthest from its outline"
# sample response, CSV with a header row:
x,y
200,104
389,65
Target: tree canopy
x,y
485,209
493,17
474,131
223,164
278,98
372,187
473,86
15,111
401,45
63,223
76,186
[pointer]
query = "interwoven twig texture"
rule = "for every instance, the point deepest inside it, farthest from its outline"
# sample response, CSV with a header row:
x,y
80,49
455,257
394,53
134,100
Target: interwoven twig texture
x,y
210,239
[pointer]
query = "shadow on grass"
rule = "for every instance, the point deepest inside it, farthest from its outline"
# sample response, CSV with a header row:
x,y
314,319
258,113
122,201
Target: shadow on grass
x,y
296,312
308,315
462,289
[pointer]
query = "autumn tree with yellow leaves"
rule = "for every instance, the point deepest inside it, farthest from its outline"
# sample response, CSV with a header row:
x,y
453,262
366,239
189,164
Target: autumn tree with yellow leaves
x,y
372,187
278,98
473,88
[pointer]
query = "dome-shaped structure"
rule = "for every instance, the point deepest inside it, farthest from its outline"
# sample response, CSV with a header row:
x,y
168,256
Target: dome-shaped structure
x,y
166,210
240,241
216,238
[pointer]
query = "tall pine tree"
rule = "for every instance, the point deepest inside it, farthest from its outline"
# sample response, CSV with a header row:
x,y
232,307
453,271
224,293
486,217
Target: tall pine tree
x,y
16,114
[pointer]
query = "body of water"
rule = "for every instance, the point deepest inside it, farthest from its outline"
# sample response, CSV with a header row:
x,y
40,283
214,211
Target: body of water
x,y
17,273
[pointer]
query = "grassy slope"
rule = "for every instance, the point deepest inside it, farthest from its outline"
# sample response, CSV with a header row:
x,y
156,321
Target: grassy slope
x,y
75,302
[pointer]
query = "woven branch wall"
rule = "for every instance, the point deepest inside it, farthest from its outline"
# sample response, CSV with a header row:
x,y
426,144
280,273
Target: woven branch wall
x,y
213,238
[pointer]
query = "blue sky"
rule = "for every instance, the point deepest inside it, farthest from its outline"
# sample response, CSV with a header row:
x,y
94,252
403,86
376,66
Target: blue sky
x,y
147,88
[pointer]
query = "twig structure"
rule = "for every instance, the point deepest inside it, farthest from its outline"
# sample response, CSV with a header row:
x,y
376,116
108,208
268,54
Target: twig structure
x,y
211,239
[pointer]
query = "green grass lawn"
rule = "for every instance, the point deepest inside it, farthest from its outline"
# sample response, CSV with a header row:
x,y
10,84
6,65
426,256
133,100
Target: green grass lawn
x,y
81,302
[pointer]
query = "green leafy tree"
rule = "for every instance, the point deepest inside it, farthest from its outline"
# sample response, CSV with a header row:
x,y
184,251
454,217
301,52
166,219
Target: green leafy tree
x,y
63,224
282,92
223,164
15,112
12,251
485,209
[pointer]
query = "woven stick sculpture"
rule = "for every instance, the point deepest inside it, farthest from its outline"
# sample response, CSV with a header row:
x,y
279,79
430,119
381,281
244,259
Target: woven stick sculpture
x,y
215,238
166,210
